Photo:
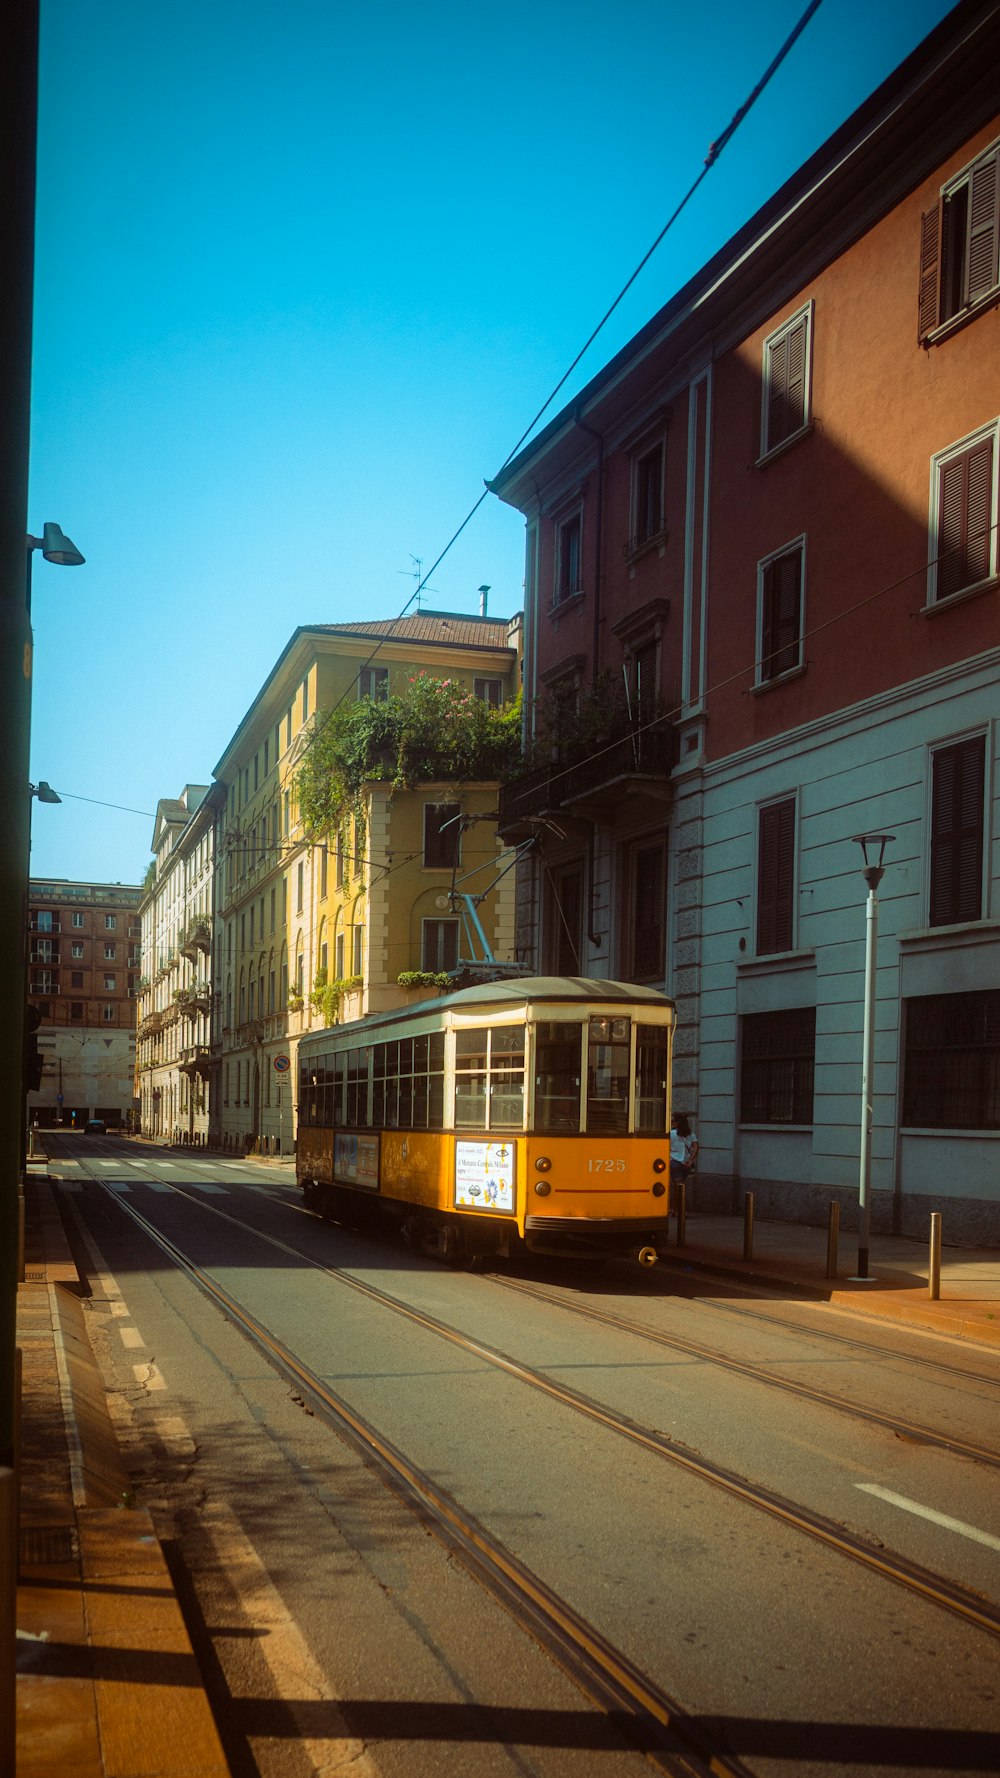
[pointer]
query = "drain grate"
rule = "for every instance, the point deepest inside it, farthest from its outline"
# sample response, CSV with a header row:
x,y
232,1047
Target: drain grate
x,y
32,1275
44,1545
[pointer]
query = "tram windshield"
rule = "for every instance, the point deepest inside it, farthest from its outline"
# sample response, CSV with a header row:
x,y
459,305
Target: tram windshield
x,y
558,1052
607,1076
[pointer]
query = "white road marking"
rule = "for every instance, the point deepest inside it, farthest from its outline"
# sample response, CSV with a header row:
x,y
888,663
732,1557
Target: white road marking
x,y
149,1376
130,1336
928,1512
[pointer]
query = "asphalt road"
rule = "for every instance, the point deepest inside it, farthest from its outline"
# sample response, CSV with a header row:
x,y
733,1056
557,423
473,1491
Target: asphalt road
x,y
336,1631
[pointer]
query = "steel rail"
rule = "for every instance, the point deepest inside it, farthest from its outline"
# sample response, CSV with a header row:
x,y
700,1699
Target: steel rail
x,y
934,1588
806,1391
644,1714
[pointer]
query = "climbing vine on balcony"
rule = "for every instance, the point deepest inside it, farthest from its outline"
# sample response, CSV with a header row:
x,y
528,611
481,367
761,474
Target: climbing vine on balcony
x,y
433,731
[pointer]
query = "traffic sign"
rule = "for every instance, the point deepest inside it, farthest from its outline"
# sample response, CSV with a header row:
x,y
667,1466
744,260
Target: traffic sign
x,y
281,1064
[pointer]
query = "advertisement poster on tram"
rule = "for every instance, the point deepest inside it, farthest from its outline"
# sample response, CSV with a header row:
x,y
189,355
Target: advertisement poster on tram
x,y
484,1176
355,1160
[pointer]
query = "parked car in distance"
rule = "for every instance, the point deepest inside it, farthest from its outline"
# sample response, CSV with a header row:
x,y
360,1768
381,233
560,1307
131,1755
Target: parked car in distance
x,y
95,1126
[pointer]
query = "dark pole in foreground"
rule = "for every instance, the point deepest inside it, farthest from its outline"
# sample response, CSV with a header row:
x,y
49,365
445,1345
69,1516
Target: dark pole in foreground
x,y
873,872
18,103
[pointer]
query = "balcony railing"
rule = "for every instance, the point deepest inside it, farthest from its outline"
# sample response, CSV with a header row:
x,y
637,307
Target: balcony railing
x,y
595,784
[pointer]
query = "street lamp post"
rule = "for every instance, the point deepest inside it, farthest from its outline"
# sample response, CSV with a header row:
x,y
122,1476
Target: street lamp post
x,y
873,870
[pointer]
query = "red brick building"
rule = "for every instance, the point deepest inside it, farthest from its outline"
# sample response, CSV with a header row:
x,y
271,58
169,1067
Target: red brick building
x,y
761,618
84,953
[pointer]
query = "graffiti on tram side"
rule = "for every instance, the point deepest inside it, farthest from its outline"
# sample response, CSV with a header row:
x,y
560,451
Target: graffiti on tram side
x,y
484,1176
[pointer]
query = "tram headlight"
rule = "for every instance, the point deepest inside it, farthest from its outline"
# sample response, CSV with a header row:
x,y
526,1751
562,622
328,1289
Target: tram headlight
x,y
542,1187
659,1188
542,1164
659,1165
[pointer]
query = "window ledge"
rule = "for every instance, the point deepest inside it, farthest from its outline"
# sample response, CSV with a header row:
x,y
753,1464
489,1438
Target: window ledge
x,y
777,960
777,1129
635,548
571,603
765,685
955,323
970,592
932,938
937,1132
786,444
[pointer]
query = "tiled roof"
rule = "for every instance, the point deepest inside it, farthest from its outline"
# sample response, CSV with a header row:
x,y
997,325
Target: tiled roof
x,y
429,626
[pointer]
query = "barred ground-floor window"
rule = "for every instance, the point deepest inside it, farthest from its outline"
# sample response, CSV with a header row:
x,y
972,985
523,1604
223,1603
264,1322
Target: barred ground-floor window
x,y
778,1057
951,1067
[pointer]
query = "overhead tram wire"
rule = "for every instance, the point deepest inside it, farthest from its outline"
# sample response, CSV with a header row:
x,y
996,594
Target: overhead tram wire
x,y
715,150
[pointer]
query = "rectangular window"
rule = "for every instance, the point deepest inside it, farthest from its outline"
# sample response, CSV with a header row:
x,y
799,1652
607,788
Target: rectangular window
x,y
440,944
963,536
357,950
299,886
608,1048
960,244
785,395
647,497
76,978
780,582
110,953
958,781
489,691
77,919
951,1067
489,1079
110,922
776,877
442,832
650,1080
642,680
305,700
373,682
558,1064
564,920
76,1009
778,1056
110,983
108,1014
323,868
267,745
338,957
647,922
569,559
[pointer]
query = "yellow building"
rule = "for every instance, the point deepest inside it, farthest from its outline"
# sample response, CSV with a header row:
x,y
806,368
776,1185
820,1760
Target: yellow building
x,y
318,928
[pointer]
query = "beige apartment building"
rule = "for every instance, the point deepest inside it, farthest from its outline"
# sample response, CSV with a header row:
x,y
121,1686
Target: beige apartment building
x,y
84,942
314,928
177,1006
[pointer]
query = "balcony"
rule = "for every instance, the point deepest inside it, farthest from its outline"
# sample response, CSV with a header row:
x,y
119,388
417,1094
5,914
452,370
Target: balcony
x,y
197,936
45,954
601,785
194,1000
196,1059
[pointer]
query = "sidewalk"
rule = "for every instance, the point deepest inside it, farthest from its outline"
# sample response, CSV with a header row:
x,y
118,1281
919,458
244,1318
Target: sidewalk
x,y
107,1684
790,1258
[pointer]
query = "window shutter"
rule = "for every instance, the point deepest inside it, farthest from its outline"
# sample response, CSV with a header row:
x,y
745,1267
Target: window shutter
x,y
782,604
786,384
983,227
775,877
930,271
965,509
958,783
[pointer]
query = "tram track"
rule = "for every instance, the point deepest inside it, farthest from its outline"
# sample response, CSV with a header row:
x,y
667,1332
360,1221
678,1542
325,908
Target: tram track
x,y
913,1431
643,1712
960,1601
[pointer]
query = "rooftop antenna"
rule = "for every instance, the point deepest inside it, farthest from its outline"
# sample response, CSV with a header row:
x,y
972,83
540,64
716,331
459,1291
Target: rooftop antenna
x,y
417,573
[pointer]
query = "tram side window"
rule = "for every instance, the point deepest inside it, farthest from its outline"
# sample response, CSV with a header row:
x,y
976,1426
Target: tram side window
x,y
435,1080
607,1076
339,1075
470,1079
558,1050
650,1080
357,1087
507,1079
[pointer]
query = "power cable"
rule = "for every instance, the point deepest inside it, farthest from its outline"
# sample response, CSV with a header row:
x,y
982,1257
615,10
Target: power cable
x,y
714,152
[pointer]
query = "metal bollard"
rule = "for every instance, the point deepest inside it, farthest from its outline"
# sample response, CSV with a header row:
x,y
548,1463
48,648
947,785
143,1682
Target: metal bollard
x,y
682,1213
832,1238
934,1279
748,1226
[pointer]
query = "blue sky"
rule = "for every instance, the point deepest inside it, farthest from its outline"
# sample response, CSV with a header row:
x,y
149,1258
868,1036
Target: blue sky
x,y
305,271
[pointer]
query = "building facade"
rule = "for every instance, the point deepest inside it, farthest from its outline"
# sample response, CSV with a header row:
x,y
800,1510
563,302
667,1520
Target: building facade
x,y
313,932
84,951
761,618
178,1013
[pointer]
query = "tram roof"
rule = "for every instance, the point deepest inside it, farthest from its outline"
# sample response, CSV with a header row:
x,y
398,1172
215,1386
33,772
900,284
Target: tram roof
x,y
495,996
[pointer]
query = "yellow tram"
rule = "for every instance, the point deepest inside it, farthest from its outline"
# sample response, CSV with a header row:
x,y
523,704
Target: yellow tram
x,y
532,1110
